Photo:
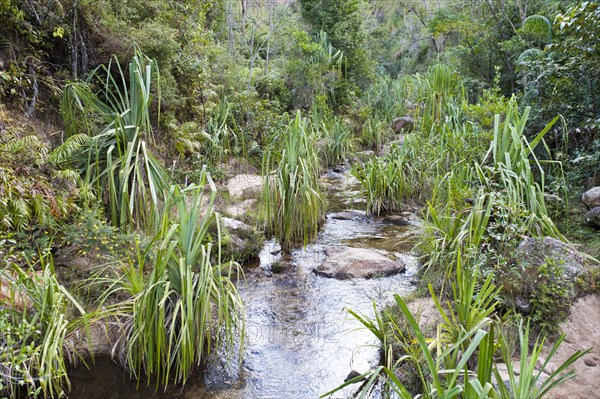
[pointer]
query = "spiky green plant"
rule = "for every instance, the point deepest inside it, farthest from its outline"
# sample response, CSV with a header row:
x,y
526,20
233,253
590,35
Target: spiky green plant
x,y
336,141
291,198
188,304
458,362
115,158
33,343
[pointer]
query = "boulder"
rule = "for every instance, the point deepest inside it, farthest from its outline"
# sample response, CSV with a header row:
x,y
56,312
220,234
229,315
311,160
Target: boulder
x,y
398,220
100,339
11,296
245,186
403,123
538,251
347,262
593,217
591,198
582,332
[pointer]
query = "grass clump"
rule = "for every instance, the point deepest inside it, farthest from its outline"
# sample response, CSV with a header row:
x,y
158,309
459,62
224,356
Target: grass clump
x,y
33,345
292,198
188,304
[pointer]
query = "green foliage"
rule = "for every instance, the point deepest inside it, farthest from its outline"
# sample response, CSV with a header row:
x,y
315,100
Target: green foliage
x,y
115,158
527,383
292,198
343,23
334,137
187,304
33,191
35,327
459,361
91,237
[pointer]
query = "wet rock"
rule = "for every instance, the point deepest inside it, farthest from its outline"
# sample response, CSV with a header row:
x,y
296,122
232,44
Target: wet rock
x,y
403,123
245,186
591,198
593,217
346,262
397,220
353,374
348,215
539,251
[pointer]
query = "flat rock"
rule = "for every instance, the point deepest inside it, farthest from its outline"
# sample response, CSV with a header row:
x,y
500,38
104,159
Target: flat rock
x,y
347,262
348,215
591,198
245,186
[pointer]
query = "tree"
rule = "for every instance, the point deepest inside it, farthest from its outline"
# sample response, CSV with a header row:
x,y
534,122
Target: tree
x,y
342,20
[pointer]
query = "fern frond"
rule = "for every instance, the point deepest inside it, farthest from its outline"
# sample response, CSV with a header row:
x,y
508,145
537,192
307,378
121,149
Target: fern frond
x,y
67,150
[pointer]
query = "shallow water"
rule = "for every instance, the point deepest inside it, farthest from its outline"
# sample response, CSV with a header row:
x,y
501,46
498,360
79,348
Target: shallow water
x,y
301,342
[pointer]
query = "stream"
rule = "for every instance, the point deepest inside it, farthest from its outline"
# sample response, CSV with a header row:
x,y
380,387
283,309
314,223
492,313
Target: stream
x,y
301,342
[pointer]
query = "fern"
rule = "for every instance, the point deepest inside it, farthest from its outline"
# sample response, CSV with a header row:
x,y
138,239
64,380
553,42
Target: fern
x,y
67,151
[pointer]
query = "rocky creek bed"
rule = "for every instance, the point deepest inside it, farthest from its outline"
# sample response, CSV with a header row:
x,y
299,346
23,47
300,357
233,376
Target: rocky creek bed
x,y
300,340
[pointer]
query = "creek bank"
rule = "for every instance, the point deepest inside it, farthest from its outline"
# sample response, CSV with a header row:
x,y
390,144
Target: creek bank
x,y
582,329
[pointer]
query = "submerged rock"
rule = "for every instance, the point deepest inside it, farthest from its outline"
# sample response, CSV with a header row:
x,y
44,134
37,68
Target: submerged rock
x,y
346,262
591,198
593,217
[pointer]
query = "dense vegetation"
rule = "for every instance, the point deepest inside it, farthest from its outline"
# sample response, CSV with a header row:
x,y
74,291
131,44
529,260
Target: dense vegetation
x,y
118,119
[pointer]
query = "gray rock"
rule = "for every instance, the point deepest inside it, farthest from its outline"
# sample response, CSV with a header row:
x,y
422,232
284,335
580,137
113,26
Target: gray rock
x,y
397,220
538,251
593,217
591,198
346,262
245,186
552,198
348,215
241,208
403,123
